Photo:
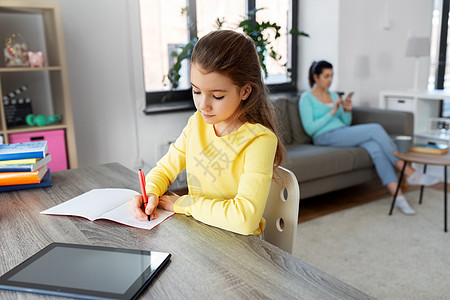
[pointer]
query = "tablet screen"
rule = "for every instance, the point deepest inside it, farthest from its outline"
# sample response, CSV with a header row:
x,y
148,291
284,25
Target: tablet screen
x,y
80,269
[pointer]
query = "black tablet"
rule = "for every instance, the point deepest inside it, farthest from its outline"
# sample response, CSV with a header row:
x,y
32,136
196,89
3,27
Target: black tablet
x,y
87,272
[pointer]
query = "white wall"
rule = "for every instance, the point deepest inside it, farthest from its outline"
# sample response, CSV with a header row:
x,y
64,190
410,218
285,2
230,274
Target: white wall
x,y
105,67
320,19
97,45
374,31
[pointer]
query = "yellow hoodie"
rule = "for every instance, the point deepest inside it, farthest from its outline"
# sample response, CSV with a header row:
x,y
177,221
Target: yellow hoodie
x,y
228,177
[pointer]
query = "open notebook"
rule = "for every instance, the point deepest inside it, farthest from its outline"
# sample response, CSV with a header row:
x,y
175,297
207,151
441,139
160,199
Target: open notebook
x,y
110,204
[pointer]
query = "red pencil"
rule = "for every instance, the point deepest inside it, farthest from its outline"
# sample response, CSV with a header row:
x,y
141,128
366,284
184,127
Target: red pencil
x,y
144,193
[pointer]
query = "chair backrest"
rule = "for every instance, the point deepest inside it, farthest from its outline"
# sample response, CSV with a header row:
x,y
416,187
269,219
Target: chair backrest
x,y
281,211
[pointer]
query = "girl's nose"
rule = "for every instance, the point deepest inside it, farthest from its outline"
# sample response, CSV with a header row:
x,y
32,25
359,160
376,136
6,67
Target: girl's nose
x,y
204,104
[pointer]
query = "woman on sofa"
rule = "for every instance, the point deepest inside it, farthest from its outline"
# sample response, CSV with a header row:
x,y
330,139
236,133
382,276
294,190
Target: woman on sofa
x,y
326,117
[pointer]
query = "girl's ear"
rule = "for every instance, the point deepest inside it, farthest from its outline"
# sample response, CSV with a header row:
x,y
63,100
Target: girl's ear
x,y
246,91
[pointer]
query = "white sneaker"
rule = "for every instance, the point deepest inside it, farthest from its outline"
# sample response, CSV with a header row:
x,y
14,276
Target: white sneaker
x,y
418,178
403,206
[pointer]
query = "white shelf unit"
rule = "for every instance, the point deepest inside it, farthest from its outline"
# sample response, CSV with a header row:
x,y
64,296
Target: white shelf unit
x,y
425,106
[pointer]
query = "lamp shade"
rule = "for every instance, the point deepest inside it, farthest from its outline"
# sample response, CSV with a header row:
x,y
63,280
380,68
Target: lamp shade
x,y
418,46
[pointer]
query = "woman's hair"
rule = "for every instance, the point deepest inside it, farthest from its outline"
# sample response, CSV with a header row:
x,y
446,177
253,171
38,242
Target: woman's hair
x,y
317,69
234,55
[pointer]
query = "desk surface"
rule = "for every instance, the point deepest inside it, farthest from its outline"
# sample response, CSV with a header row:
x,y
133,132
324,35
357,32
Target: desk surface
x,y
207,262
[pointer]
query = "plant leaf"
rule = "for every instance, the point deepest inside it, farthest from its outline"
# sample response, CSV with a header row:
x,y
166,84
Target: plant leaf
x,y
296,32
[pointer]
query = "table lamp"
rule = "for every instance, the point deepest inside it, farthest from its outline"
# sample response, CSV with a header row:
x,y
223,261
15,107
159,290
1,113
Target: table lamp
x,y
417,47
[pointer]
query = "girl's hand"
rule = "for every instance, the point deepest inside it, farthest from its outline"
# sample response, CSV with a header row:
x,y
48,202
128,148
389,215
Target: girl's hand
x,y
166,201
136,206
347,105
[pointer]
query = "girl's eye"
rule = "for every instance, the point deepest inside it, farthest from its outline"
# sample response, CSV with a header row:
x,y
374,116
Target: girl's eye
x,y
218,98
196,93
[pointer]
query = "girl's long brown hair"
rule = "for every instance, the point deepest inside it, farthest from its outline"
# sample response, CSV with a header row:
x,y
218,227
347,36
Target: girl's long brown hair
x,y
234,55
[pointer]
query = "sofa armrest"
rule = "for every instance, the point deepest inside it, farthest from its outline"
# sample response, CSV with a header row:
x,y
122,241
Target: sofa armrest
x,y
394,122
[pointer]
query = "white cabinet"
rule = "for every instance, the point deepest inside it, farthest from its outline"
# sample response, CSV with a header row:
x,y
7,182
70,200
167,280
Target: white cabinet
x,y
425,106
400,103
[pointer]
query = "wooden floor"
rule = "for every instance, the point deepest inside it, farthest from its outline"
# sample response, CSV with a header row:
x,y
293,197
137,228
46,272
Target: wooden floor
x,y
318,206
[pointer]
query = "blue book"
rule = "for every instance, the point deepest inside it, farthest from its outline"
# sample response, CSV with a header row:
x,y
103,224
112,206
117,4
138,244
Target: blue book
x,y
23,150
45,182
25,167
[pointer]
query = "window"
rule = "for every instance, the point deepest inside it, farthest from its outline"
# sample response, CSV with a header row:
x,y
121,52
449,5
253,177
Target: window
x,y
168,24
439,77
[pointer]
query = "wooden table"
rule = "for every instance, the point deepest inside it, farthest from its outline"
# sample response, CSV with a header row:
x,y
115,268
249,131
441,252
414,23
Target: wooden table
x,y
425,159
207,262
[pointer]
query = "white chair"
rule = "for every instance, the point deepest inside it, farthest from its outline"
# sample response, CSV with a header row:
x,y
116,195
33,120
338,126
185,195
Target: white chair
x,y
281,211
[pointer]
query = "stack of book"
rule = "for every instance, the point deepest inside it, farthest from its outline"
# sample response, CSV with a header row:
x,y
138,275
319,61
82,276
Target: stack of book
x,y
438,149
24,166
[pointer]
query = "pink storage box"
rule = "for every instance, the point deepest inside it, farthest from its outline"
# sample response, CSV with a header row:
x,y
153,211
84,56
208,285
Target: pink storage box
x,y
56,144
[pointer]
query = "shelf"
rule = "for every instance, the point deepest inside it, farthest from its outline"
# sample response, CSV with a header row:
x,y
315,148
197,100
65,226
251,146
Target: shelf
x,y
434,135
48,86
423,105
428,95
29,7
22,129
28,69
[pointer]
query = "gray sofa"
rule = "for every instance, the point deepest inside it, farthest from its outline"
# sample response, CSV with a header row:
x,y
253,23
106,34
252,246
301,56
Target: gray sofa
x,y
321,170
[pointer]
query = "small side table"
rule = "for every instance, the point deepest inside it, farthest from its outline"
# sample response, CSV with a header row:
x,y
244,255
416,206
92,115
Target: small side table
x,y
425,159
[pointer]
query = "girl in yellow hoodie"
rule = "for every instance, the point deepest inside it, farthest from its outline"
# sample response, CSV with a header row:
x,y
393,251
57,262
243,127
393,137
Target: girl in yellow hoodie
x,y
229,146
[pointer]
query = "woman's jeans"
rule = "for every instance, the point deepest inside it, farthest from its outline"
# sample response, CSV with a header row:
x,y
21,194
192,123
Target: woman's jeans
x,y
371,137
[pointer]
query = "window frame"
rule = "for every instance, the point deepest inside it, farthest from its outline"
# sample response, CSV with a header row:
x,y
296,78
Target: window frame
x,y
442,54
181,100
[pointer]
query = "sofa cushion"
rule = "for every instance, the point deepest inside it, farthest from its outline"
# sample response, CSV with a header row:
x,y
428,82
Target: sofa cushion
x,y
282,119
299,136
361,158
309,162
394,122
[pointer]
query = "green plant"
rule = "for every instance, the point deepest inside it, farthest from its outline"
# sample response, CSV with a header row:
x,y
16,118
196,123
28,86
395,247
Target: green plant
x,y
257,31
174,71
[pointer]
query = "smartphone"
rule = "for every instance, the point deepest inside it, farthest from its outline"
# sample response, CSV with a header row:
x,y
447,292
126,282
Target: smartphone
x,y
350,95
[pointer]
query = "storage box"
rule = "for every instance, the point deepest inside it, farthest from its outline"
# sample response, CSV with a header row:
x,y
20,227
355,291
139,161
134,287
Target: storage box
x,y
400,103
56,143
